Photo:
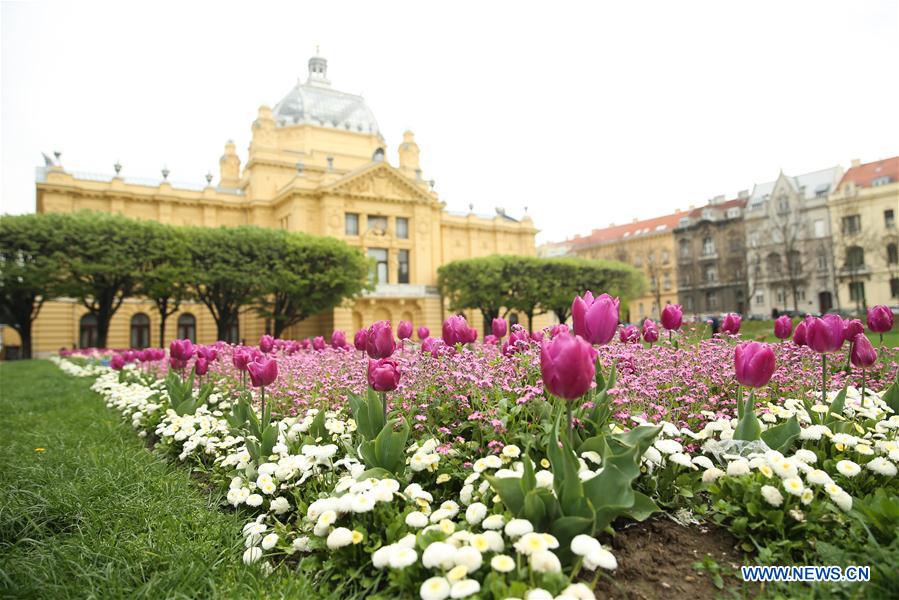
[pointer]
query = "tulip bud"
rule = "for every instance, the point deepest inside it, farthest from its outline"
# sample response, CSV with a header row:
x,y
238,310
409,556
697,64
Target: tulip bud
x,y
318,343
181,350
650,331
880,319
117,362
629,334
263,371
338,339
423,333
404,330
266,343
754,363
499,328
383,374
201,366
567,364
595,319
783,327
380,342
672,317
456,330
825,334
360,340
800,333
731,324
863,353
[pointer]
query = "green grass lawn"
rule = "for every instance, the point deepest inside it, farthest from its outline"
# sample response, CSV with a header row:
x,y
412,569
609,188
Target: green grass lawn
x,y
763,331
97,515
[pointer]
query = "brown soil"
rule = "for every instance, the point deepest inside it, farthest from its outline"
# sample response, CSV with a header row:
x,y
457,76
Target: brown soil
x,y
656,557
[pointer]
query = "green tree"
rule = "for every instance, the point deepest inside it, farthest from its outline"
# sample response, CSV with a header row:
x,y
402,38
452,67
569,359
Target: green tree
x,y
475,283
30,270
308,274
104,254
165,272
230,268
565,278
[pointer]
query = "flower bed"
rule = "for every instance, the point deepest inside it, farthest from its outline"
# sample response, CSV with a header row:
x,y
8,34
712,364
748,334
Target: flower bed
x,y
462,478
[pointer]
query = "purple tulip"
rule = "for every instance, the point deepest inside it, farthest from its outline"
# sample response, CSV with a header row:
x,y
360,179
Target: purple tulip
x,y
537,336
456,330
181,350
629,334
318,343
431,345
338,339
800,333
263,371
491,340
880,319
650,331
379,342
472,335
266,343
360,340
145,355
208,353
754,363
783,327
851,328
595,319
825,334
499,328
731,324
423,333
567,364
305,343
863,353
404,330
240,358
201,366
117,362
672,317
383,374
558,330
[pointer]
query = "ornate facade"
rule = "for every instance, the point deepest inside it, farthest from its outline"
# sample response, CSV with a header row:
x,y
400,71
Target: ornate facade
x,y
316,163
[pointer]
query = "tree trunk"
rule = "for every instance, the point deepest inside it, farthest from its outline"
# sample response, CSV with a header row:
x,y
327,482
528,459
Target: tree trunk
x,y
530,315
279,327
103,320
24,331
162,318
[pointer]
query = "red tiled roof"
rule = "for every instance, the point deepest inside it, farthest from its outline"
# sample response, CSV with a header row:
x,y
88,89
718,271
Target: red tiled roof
x,y
863,175
738,202
666,223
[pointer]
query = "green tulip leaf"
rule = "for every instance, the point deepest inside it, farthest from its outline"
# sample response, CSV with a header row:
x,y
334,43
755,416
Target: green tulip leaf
x,y
643,507
891,396
509,491
781,437
836,407
748,427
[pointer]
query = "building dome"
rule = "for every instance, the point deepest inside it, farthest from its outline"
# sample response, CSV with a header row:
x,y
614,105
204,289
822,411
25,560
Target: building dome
x,y
317,103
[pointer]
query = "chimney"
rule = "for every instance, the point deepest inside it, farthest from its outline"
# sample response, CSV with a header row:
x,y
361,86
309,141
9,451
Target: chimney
x,y
856,163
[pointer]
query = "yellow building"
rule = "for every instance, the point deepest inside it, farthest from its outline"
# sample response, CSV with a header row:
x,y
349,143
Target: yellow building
x,y
316,164
863,212
647,245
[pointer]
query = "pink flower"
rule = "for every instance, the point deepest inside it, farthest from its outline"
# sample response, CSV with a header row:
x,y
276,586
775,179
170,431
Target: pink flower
x,y
263,371
629,334
731,324
318,343
799,335
567,364
863,353
404,330
423,333
852,328
595,319
880,319
456,330
499,328
360,340
558,330
672,317
181,350
783,327
825,334
380,342
241,357
201,366
650,331
383,374
338,339
754,363
117,362
266,343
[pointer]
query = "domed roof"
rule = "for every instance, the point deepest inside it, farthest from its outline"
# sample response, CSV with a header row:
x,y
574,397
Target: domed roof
x,y
317,103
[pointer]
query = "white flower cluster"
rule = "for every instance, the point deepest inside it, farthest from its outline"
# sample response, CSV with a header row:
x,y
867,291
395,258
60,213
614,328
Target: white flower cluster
x,y
75,370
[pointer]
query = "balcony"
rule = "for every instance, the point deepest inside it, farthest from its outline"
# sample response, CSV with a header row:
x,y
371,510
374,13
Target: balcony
x,y
402,290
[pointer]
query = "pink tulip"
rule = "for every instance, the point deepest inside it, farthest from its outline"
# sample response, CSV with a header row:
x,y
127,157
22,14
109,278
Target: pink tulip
x,y
266,343
456,330
863,353
567,364
338,339
472,335
629,334
431,345
537,336
754,363
731,324
650,331
800,333
595,319
241,357
880,319
318,343
851,328
423,333
491,340
201,366
825,335
380,342
383,374
181,350
404,330
360,340
672,317
499,328
558,330
263,371
783,327
208,353
117,362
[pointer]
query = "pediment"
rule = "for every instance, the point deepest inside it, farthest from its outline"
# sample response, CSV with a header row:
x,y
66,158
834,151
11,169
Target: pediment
x,y
381,181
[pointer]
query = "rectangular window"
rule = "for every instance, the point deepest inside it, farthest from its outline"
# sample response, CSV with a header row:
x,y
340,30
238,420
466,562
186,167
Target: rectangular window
x,y
819,228
379,272
402,228
822,262
760,298
889,219
852,224
711,300
708,246
711,273
688,303
666,282
376,223
857,291
351,224
403,275
894,287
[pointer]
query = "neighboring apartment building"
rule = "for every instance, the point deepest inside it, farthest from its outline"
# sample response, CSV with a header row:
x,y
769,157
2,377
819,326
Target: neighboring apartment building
x,y
863,212
647,245
788,243
711,258
316,164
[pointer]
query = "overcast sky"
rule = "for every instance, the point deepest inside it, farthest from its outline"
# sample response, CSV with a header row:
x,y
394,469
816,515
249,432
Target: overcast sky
x,y
586,113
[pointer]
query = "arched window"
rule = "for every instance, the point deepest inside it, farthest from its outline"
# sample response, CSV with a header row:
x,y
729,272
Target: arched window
x,y
855,257
140,331
187,327
87,336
